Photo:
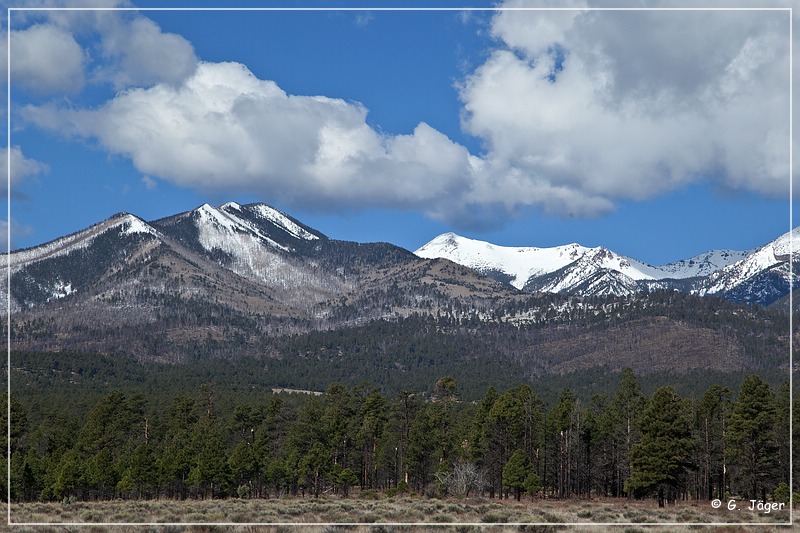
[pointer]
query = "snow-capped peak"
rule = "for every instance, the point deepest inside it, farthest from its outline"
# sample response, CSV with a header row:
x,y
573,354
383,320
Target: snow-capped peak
x,y
521,264
281,220
231,205
126,224
769,256
132,224
215,226
573,262
703,264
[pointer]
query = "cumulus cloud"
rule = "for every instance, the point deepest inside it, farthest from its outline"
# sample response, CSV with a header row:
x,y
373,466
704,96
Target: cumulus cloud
x,y
632,104
225,129
576,110
47,60
18,231
144,55
21,166
57,52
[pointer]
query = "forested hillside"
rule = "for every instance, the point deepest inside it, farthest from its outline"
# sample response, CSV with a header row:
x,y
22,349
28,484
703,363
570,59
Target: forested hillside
x,y
509,442
519,338
154,373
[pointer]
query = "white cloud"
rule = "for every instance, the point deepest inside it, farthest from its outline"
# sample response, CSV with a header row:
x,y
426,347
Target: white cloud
x,y
143,55
226,130
21,166
617,105
149,183
18,230
530,32
59,50
576,111
47,60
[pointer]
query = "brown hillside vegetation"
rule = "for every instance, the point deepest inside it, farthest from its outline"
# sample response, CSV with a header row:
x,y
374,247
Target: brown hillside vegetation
x,y
647,345
372,508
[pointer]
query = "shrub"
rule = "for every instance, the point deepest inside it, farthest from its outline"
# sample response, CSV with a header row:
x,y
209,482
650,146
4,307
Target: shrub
x,y
781,494
493,517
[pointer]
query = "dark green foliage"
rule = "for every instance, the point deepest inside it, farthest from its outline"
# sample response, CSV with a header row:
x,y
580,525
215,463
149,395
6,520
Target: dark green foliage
x,y
139,477
751,439
662,460
626,406
205,434
519,475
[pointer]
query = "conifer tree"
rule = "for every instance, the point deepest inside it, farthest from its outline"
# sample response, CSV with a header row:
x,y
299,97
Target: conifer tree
x,y
661,461
519,475
625,407
751,438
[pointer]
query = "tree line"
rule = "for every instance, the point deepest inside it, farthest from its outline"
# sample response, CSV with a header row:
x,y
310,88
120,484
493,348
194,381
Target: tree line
x,y
623,444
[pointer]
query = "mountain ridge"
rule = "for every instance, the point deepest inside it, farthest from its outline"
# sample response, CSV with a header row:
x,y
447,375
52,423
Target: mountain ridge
x,y
576,269
268,247
250,281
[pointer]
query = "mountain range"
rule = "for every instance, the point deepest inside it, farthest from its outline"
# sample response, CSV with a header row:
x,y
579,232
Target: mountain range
x,y
752,276
250,280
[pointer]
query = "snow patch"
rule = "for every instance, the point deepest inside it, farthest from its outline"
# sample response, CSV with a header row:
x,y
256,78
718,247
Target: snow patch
x,y
767,257
703,264
61,290
132,224
128,224
282,221
522,264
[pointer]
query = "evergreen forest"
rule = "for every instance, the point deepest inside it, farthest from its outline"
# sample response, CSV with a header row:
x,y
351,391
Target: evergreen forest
x,y
510,442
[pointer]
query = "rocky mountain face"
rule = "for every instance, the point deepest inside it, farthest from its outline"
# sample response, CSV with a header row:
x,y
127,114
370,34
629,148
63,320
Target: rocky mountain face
x,y
248,280
759,276
244,268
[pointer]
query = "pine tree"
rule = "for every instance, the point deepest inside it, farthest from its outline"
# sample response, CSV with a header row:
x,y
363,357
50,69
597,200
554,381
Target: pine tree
x,y
624,410
243,465
782,435
512,423
661,461
519,475
139,476
181,447
421,450
751,437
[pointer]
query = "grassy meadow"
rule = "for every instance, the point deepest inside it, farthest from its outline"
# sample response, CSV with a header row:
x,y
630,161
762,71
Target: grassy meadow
x,y
383,514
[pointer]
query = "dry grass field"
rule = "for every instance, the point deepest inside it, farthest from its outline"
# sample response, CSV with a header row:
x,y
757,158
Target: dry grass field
x,y
389,515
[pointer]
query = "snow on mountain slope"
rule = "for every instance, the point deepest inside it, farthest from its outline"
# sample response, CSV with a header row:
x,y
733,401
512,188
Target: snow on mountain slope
x,y
274,216
242,246
219,229
254,241
521,265
584,277
769,257
702,264
128,224
65,266
575,268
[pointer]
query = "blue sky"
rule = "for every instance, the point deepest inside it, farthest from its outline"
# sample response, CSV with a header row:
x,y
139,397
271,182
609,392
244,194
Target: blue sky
x,y
657,134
